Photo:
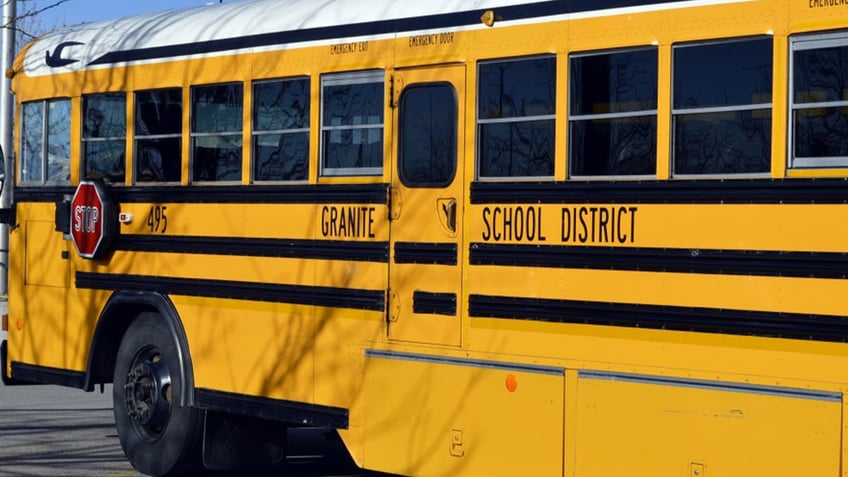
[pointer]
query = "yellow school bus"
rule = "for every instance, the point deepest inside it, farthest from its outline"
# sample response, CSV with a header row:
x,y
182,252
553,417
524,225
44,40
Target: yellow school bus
x,y
548,238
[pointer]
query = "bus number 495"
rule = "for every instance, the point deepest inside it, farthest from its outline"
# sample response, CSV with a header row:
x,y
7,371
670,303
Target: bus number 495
x,y
157,221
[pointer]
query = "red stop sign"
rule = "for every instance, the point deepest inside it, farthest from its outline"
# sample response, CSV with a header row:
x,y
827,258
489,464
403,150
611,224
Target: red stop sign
x,y
93,219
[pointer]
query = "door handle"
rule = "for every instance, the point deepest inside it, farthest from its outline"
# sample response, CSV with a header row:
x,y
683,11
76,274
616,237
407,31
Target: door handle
x,y
449,209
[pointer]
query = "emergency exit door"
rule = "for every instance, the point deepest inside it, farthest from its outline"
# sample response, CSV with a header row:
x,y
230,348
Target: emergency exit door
x,y
425,280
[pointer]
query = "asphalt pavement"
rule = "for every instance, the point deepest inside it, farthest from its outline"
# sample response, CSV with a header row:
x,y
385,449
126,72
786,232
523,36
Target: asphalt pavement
x,y
57,431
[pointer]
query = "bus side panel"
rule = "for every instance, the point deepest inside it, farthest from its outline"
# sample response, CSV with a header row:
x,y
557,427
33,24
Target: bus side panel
x,y
685,428
435,419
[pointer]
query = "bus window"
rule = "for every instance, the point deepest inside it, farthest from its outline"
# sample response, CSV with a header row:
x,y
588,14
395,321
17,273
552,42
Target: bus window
x,y
721,109
104,136
352,123
515,118
281,130
46,142
613,113
216,132
428,135
158,135
819,101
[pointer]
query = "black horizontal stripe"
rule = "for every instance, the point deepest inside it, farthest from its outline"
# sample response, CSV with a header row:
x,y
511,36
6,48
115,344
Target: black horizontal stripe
x,y
754,191
266,408
266,292
434,303
382,27
42,194
729,262
252,247
44,375
254,194
426,253
234,194
706,320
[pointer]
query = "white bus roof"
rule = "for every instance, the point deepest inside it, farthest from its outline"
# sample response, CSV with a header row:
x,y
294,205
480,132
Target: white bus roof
x,y
255,25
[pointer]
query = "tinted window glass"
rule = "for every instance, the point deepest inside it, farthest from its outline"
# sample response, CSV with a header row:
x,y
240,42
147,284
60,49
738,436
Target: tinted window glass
x,y
732,81
428,135
606,135
280,105
46,145
605,147
281,130
515,120
32,142
820,101
511,89
216,132
59,141
723,74
104,136
352,123
158,135
517,149
723,143
820,75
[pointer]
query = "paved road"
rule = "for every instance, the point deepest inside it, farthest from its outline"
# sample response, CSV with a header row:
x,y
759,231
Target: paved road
x,y
56,431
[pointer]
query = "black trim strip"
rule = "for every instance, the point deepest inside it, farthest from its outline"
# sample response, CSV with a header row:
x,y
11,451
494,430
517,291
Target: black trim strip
x,y
723,262
434,303
426,253
706,320
766,191
382,27
46,375
276,409
252,247
230,194
743,191
42,194
266,292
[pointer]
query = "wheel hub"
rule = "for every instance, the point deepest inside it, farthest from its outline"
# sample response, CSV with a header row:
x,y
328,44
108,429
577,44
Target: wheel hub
x,y
147,393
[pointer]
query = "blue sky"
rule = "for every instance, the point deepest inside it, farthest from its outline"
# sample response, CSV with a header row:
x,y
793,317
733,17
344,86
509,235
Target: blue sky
x,y
72,12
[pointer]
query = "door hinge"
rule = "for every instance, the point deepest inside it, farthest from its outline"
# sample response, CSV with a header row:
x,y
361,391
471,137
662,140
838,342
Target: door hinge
x,y
395,203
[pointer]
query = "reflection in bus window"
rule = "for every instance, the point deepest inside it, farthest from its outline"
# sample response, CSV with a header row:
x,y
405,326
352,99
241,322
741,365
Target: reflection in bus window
x,y
515,118
104,136
352,123
46,145
819,101
281,130
613,113
216,132
158,135
722,107
428,135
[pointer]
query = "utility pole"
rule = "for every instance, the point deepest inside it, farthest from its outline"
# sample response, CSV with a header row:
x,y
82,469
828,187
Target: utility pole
x,y
7,56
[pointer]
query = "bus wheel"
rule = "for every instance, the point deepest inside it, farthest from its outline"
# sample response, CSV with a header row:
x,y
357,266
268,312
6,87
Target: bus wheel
x,y
158,437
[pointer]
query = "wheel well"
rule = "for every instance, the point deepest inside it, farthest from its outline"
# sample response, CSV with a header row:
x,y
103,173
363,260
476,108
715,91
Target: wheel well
x,y
121,309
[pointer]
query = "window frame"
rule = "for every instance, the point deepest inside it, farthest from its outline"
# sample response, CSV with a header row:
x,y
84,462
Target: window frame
x,y
806,42
195,135
137,137
401,139
644,113
104,139
674,113
478,122
45,143
349,78
255,133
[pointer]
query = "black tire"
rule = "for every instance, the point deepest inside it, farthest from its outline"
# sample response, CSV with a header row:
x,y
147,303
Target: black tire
x,y
158,437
